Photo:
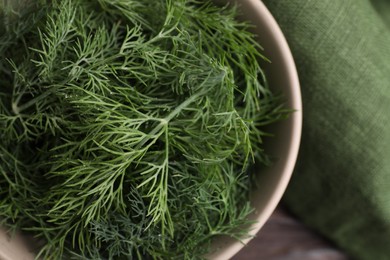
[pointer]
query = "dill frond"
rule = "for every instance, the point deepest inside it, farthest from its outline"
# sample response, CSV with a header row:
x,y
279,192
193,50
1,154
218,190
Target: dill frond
x,y
128,128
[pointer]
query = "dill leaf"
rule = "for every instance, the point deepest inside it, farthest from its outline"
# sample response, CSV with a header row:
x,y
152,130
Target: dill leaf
x,y
128,128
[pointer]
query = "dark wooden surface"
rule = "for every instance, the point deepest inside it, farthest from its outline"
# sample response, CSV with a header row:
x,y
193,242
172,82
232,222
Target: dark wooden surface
x,y
285,238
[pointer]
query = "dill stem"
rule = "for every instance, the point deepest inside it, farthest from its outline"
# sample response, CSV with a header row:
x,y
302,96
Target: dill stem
x,y
18,109
183,105
165,121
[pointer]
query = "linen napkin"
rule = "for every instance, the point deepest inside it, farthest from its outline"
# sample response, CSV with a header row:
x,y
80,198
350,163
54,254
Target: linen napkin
x,y
341,185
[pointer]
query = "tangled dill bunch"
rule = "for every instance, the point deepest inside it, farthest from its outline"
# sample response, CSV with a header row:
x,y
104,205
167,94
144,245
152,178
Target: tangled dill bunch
x,y
127,128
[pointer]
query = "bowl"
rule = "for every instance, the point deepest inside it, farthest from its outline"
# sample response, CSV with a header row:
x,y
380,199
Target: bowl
x,y
272,181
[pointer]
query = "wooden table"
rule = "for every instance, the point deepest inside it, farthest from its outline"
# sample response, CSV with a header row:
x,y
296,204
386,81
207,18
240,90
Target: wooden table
x,y
285,238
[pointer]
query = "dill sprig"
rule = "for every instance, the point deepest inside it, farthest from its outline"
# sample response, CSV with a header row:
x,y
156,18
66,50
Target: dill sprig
x,y
127,128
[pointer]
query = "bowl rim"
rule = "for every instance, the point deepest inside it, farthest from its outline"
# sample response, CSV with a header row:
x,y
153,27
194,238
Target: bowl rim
x,y
295,101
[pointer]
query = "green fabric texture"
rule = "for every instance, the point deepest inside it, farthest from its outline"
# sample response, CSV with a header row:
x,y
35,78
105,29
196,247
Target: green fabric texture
x,y
341,184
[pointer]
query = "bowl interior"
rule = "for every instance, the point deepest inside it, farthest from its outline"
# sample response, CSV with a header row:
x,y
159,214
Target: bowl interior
x,y
283,147
272,181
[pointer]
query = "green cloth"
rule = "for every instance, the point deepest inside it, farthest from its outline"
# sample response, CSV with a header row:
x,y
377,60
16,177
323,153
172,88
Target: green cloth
x,y
341,184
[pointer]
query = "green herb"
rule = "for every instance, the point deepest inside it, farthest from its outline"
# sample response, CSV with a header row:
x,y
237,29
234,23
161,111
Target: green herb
x,y
127,128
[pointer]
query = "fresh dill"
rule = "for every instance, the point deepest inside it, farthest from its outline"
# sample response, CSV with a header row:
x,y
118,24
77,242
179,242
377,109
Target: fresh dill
x,y
127,127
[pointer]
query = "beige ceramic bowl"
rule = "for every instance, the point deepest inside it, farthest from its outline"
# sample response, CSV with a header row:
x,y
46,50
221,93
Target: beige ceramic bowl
x,y
282,76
